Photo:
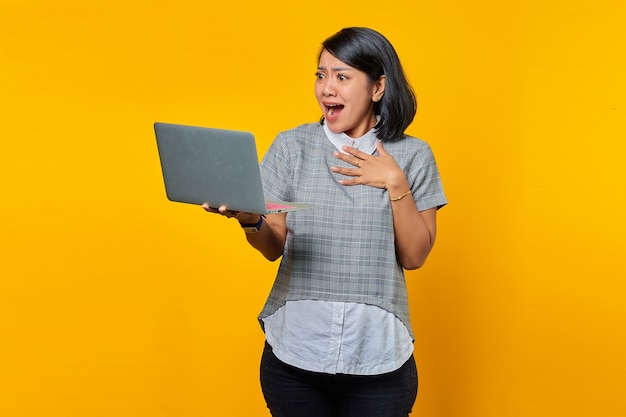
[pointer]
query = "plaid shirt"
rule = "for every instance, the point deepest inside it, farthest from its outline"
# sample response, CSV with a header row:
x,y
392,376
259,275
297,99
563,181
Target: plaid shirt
x,y
344,249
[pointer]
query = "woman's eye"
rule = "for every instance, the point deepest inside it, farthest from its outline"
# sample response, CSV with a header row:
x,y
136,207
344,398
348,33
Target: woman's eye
x,y
342,77
319,75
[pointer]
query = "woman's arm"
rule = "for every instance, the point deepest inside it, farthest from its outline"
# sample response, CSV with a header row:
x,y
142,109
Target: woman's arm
x,y
414,230
272,234
271,237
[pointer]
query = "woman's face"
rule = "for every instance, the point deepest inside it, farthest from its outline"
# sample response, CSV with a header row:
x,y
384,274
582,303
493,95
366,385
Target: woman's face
x,y
346,96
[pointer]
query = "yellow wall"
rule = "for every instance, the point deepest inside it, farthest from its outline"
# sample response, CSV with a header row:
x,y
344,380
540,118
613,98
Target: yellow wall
x,y
116,302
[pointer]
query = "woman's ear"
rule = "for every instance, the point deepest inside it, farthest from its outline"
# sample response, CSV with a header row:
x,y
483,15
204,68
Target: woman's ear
x,y
379,89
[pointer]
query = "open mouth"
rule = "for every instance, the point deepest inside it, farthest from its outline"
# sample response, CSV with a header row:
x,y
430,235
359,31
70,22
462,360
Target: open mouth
x,y
333,109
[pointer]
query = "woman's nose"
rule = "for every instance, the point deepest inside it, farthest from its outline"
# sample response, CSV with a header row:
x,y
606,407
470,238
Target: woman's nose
x,y
328,89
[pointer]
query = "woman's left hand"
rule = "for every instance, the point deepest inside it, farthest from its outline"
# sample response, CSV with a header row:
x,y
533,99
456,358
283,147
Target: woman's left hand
x,y
380,171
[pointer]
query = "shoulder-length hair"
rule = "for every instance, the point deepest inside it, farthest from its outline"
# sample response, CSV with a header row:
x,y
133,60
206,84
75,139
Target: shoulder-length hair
x,y
368,51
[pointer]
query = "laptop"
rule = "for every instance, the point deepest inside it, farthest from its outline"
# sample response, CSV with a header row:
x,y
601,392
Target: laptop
x,y
218,166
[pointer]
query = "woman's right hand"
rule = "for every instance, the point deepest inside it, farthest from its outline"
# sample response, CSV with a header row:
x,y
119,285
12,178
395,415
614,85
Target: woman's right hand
x,y
242,217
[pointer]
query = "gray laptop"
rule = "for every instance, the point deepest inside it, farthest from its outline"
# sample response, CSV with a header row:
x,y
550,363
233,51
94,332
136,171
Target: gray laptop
x,y
217,166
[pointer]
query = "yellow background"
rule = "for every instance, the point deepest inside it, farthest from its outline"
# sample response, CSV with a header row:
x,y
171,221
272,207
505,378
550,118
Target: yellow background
x,y
116,302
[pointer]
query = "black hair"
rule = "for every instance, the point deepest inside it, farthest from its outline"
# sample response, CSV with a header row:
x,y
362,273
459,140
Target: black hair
x,y
368,51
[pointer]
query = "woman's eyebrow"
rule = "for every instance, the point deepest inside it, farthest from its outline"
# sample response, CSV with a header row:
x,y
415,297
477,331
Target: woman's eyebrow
x,y
323,68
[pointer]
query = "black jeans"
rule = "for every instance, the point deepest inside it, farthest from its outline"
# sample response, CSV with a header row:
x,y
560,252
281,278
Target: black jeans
x,y
293,392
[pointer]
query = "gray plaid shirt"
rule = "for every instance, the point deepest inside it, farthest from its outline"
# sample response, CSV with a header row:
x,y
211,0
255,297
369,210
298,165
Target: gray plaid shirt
x,y
343,250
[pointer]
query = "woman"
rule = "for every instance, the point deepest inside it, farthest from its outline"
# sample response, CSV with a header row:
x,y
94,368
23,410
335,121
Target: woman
x,y
338,336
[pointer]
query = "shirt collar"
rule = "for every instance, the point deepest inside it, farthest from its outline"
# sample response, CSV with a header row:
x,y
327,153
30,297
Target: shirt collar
x,y
366,143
